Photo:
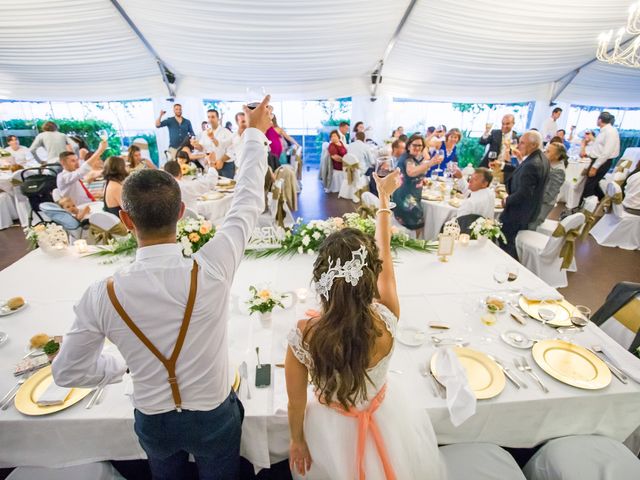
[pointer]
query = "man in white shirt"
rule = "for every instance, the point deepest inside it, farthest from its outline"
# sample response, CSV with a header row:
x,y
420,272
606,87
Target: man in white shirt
x,y
480,199
183,404
192,188
631,190
217,139
343,129
20,155
234,151
604,150
550,125
70,180
362,152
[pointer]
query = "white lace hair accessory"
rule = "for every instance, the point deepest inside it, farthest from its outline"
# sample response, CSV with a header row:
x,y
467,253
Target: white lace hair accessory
x,y
351,272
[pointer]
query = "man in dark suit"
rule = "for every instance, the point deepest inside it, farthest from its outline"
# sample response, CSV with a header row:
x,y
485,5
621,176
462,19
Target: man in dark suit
x,y
525,188
496,139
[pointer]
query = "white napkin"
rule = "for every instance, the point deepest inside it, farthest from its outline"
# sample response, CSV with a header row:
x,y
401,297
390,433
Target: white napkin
x,y
53,395
624,360
541,293
461,401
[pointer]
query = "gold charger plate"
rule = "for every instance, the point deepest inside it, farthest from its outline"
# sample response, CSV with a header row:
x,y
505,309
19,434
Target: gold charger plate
x,y
571,364
562,308
35,385
485,377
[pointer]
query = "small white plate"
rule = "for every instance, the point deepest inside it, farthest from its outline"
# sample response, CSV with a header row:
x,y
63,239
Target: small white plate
x,y
516,339
4,310
411,336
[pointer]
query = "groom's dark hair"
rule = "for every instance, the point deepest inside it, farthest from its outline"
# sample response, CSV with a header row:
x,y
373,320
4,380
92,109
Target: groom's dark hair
x,y
152,199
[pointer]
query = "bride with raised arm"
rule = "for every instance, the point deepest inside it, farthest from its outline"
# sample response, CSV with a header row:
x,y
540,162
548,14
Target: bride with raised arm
x,y
358,423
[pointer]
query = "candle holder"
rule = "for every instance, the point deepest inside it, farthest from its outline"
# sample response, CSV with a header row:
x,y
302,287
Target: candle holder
x,y
81,246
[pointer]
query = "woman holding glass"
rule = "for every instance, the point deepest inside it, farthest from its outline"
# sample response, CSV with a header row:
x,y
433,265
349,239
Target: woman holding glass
x,y
408,198
449,150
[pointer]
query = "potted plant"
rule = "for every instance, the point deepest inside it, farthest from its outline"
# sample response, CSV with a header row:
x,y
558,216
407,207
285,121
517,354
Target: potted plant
x,y
484,229
263,302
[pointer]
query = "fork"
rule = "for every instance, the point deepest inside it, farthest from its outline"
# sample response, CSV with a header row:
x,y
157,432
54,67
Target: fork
x,y
527,368
12,393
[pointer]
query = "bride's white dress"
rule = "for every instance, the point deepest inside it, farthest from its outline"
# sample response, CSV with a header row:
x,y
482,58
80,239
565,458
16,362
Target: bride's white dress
x,y
406,430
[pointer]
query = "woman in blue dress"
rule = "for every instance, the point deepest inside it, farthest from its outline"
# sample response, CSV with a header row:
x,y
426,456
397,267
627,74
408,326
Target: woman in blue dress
x,y
449,149
408,197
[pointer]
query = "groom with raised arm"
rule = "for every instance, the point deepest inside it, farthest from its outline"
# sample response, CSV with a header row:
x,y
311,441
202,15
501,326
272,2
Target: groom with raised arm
x,y
168,317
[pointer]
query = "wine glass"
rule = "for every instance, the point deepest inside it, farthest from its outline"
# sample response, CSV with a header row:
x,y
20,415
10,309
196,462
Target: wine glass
x,y
512,276
501,274
546,312
104,135
384,166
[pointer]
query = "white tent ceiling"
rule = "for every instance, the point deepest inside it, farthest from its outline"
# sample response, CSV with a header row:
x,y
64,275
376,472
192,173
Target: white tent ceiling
x,y
456,50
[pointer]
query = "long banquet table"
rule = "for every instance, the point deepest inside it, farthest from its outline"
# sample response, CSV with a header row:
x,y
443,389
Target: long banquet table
x,y
429,291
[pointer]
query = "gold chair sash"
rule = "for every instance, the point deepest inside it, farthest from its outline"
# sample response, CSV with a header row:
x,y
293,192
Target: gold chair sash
x,y
589,222
278,195
366,211
622,165
102,236
603,207
568,248
351,170
359,192
629,315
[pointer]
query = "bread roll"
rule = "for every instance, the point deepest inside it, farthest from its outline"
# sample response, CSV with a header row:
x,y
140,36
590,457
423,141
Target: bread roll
x,y
39,340
15,303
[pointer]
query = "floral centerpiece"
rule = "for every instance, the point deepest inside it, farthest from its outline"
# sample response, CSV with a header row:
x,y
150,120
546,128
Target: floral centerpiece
x,y
193,233
51,237
188,168
263,301
487,228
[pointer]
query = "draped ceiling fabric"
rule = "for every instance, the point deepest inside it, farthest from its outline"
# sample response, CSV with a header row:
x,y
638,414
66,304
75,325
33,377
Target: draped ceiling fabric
x,y
449,50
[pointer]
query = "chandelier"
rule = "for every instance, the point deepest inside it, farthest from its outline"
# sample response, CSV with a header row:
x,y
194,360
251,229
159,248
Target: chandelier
x,y
626,53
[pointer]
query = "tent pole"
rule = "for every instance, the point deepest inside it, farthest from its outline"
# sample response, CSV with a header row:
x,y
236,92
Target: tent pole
x,y
376,75
563,82
161,65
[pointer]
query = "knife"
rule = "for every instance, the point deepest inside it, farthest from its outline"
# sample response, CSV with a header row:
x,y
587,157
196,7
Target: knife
x,y
615,370
508,374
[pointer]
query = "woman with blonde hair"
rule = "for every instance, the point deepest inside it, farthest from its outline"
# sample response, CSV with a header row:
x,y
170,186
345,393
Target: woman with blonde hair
x,y
345,350
135,161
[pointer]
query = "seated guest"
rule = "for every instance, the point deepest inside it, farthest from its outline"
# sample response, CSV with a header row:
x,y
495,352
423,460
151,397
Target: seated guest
x,y
557,156
525,189
562,135
135,161
190,147
586,145
193,188
337,150
19,155
362,152
183,404
70,182
631,190
70,206
343,351
480,199
358,127
53,141
114,173
398,147
234,150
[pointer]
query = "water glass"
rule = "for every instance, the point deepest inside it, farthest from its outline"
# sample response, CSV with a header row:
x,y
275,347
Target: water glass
x,y
501,274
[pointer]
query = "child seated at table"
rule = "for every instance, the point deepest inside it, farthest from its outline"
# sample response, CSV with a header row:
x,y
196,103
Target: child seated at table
x,y
70,206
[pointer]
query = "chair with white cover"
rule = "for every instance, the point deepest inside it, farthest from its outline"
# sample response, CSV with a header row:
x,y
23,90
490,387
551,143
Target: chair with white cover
x,y
188,213
7,210
583,457
550,256
617,228
352,178
104,226
94,471
588,208
279,214
619,174
479,461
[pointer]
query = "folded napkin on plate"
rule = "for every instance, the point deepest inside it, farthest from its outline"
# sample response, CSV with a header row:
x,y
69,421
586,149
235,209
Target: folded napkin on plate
x,y
624,360
53,395
541,293
461,401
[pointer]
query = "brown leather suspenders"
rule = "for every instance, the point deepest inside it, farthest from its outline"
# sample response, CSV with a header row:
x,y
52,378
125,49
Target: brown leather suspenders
x,y
169,363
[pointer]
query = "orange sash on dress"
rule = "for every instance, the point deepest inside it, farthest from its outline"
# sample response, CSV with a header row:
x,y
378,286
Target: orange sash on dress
x,y
366,422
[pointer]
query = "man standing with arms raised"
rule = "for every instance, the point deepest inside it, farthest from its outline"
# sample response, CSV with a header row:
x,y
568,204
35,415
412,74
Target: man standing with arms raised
x,y
217,139
179,129
168,317
499,141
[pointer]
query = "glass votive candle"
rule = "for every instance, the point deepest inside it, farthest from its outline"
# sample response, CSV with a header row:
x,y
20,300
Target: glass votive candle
x,y
464,239
81,246
302,293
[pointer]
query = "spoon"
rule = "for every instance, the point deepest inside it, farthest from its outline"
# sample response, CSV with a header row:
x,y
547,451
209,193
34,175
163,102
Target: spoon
x,y
435,339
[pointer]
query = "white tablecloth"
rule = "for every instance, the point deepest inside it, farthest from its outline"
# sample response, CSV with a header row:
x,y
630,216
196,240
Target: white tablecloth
x,y
436,214
573,186
5,182
215,210
430,290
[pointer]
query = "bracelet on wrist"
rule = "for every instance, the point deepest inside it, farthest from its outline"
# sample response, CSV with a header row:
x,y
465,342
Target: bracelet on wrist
x,y
384,210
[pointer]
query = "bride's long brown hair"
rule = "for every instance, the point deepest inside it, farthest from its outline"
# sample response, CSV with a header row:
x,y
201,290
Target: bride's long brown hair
x,y
341,340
